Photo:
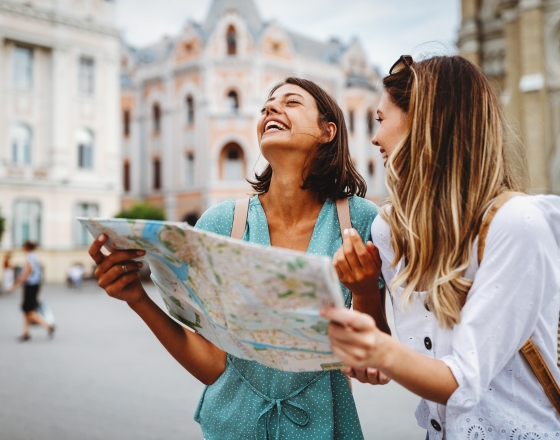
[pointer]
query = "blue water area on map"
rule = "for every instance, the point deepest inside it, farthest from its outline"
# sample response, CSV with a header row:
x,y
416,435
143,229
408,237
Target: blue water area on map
x,y
150,232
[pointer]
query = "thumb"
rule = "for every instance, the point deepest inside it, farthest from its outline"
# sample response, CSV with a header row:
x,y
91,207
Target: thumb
x,y
374,252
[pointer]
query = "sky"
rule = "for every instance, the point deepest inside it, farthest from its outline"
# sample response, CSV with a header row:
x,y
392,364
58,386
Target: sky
x,y
386,28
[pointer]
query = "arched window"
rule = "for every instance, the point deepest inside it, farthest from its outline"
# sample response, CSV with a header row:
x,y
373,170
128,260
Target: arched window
x,y
351,121
370,125
371,168
191,218
232,162
157,173
126,123
156,117
231,41
21,144
26,222
190,109
84,140
126,176
232,102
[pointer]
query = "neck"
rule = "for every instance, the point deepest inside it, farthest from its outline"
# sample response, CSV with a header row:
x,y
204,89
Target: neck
x,y
286,201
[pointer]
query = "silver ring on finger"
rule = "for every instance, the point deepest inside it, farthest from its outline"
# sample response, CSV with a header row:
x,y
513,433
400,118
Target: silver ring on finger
x,y
124,268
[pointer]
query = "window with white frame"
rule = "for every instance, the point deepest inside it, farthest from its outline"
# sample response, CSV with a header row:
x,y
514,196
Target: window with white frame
x,y
189,169
84,141
26,223
82,238
23,67
87,75
190,109
233,102
20,138
232,162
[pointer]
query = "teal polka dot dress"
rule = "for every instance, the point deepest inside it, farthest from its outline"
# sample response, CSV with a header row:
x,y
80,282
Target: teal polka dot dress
x,y
251,401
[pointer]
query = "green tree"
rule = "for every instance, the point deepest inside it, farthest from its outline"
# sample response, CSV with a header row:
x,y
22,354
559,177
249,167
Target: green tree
x,y
2,226
143,211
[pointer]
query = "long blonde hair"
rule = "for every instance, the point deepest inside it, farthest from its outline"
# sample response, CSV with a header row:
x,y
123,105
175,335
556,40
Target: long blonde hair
x,y
442,177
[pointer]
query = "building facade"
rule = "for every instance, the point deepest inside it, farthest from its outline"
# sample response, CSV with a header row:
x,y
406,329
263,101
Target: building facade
x,y
517,45
59,125
190,106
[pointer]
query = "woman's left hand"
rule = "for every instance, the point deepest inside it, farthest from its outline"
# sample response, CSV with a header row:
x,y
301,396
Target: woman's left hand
x,y
368,375
355,339
358,267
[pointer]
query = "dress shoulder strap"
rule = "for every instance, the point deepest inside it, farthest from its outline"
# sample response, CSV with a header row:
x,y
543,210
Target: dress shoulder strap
x,y
343,211
239,218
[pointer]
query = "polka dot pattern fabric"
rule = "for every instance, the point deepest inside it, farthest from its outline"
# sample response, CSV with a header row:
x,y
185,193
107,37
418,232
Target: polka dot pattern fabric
x,y
251,401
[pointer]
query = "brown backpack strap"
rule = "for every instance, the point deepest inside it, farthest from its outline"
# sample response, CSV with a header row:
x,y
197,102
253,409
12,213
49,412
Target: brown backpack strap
x,y
544,376
530,350
343,211
239,218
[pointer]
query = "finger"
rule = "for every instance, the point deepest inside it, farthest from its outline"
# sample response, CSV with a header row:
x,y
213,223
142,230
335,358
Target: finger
x,y
364,257
95,249
348,247
117,257
118,286
361,375
346,317
382,378
374,253
341,266
348,357
348,371
115,272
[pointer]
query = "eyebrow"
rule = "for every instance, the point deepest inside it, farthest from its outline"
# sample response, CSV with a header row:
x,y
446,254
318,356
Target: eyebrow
x,y
379,112
285,96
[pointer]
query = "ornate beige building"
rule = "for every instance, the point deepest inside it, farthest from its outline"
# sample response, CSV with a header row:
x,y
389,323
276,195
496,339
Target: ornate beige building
x,y
190,106
59,124
517,44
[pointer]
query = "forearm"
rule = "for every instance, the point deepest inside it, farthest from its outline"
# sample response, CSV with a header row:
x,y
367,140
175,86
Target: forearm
x,y
373,304
198,356
429,378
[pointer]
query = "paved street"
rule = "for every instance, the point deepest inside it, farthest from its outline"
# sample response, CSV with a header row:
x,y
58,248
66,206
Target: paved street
x,y
105,376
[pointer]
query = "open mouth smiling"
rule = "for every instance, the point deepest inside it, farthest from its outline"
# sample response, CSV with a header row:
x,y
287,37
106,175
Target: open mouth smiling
x,y
273,125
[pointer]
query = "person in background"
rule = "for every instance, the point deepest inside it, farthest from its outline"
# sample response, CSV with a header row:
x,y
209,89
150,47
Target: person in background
x,y
30,278
75,276
8,280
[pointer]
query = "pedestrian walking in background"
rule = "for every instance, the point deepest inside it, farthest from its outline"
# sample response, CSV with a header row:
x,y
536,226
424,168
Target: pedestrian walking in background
x,y
30,278
8,280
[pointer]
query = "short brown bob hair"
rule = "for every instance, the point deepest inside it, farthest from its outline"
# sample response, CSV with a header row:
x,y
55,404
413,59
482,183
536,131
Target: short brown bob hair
x,y
329,173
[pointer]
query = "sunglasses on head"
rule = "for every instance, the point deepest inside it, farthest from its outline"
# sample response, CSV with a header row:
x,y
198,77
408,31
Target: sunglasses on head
x,y
402,63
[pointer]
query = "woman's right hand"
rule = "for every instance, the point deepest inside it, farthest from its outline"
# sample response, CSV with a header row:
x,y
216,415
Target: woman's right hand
x,y
117,273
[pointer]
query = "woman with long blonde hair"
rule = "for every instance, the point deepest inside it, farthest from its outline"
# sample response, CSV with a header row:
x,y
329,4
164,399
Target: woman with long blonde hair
x,y
472,263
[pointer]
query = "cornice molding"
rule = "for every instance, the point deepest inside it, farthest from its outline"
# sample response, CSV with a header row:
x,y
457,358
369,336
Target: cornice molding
x,y
56,18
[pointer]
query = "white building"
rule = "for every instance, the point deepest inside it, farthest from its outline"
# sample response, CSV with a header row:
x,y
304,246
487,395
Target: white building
x,y
190,106
59,124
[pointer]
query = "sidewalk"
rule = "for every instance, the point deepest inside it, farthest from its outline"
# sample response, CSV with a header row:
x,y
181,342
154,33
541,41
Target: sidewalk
x,y
106,377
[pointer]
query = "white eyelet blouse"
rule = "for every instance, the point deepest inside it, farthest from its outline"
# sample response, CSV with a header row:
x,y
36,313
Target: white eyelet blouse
x,y
515,295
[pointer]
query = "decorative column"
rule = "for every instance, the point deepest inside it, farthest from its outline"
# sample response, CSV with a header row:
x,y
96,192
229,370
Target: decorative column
x,y
469,34
533,92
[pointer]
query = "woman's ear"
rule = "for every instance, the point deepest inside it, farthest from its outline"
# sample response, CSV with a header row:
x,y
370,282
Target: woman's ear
x,y
330,131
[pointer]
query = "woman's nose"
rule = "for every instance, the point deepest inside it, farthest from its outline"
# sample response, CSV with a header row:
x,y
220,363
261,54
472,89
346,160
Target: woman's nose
x,y
271,107
374,141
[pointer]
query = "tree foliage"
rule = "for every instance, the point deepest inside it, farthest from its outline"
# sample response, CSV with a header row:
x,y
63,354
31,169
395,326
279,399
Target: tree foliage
x,y
143,211
2,226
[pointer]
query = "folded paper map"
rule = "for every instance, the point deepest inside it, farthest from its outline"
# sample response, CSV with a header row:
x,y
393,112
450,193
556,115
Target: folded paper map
x,y
255,302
